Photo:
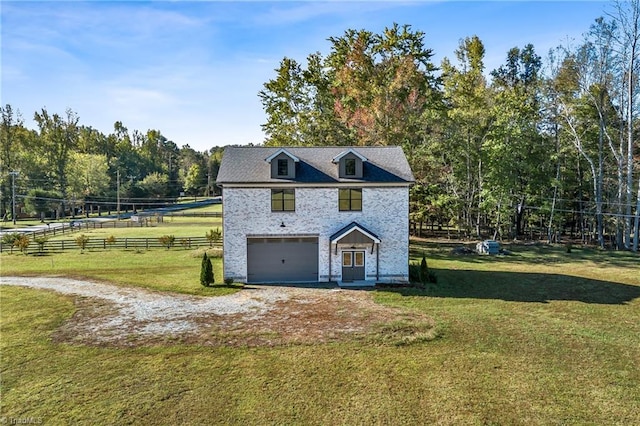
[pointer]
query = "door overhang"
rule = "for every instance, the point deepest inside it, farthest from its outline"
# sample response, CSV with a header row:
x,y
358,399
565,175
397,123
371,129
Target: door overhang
x,y
354,233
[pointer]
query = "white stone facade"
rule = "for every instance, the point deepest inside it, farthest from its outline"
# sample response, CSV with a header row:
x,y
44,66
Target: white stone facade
x,y
385,212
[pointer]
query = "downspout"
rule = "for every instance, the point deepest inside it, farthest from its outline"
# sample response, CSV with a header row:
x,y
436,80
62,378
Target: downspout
x,y
378,262
329,260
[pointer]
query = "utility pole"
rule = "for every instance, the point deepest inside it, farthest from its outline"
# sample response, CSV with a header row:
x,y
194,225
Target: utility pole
x,y
118,192
13,195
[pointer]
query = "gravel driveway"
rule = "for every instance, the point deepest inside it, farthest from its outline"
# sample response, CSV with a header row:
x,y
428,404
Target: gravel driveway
x,y
257,315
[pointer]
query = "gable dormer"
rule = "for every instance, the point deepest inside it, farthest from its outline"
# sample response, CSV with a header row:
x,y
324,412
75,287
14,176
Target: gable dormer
x,y
350,164
283,164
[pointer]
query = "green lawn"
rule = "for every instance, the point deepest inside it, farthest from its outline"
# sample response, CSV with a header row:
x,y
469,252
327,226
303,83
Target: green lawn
x,y
539,337
176,270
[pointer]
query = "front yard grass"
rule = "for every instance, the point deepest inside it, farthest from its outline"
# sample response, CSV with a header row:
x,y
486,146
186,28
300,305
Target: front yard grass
x,y
540,337
176,270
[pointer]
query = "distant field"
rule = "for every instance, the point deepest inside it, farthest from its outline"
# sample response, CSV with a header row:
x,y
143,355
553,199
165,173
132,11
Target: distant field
x,y
535,338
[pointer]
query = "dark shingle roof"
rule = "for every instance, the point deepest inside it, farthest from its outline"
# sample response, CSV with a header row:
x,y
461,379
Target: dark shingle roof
x,y
248,165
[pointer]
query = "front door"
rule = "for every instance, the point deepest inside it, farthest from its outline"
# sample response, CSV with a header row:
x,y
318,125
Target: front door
x,y
352,266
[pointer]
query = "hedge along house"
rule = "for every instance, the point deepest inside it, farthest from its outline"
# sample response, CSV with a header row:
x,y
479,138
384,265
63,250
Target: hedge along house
x,y
303,214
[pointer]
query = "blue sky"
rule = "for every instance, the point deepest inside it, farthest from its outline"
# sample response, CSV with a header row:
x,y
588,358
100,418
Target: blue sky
x,y
193,69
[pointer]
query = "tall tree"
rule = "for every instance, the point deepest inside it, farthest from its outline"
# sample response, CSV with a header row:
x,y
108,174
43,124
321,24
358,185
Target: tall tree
x,y
627,19
469,118
11,144
515,151
58,138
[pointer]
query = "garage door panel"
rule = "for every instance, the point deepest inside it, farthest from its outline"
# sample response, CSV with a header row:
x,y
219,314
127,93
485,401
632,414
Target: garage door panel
x,y
282,259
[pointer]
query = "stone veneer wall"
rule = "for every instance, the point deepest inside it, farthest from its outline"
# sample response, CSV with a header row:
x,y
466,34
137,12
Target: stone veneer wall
x,y
385,212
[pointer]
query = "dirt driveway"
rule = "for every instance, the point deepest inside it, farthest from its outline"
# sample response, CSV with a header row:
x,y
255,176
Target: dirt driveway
x,y
109,315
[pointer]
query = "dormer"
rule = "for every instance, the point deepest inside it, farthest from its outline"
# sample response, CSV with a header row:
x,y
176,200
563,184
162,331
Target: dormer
x,y
350,164
283,164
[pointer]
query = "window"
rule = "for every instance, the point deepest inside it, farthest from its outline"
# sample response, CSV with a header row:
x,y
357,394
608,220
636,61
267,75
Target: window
x,y
350,166
283,167
283,200
350,200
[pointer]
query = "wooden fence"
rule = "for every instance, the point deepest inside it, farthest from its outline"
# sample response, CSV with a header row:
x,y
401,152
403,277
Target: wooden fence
x,y
184,214
116,244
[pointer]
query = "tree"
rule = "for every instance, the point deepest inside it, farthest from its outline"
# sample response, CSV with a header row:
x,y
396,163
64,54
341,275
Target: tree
x,y
155,185
40,201
214,236
468,122
82,241
87,175
516,168
372,89
22,242
11,145
206,271
627,18
58,138
193,182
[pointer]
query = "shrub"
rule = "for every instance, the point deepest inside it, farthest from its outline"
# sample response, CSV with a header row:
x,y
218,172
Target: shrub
x,y
22,243
41,241
167,241
185,242
111,240
424,270
10,240
414,273
206,271
228,281
421,273
214,236
81,241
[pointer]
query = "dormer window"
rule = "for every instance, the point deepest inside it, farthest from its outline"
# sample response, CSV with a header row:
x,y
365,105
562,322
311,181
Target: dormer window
x,y
283,164
350,167
350,164
283,167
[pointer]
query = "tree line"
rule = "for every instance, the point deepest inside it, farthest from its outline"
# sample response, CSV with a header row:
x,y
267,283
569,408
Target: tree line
x,y
63,167
534,148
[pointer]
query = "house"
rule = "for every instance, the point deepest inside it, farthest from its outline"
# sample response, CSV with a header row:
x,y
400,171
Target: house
x,y
316,214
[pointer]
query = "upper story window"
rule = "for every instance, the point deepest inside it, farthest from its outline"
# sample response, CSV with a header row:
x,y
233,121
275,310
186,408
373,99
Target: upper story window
x,y
283,167
350,199
350,166
282,164
283,200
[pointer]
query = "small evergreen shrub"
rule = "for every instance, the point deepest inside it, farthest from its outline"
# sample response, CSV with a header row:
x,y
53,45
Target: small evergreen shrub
x,y
206,271
228,281
424,270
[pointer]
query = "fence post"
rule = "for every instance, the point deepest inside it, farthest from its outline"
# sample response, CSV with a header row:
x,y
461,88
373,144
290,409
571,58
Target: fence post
x,y
125,243
147,241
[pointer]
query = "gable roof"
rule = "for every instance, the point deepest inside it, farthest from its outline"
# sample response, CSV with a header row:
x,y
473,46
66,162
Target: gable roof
x,y
338,157
350,228
247,165
281,151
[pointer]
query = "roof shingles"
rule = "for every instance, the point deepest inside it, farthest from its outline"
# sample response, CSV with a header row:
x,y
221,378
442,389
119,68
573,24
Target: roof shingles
x,y
248,165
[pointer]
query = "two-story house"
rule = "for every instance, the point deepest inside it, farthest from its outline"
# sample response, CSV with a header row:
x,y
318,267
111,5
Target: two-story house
x,y
316,214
